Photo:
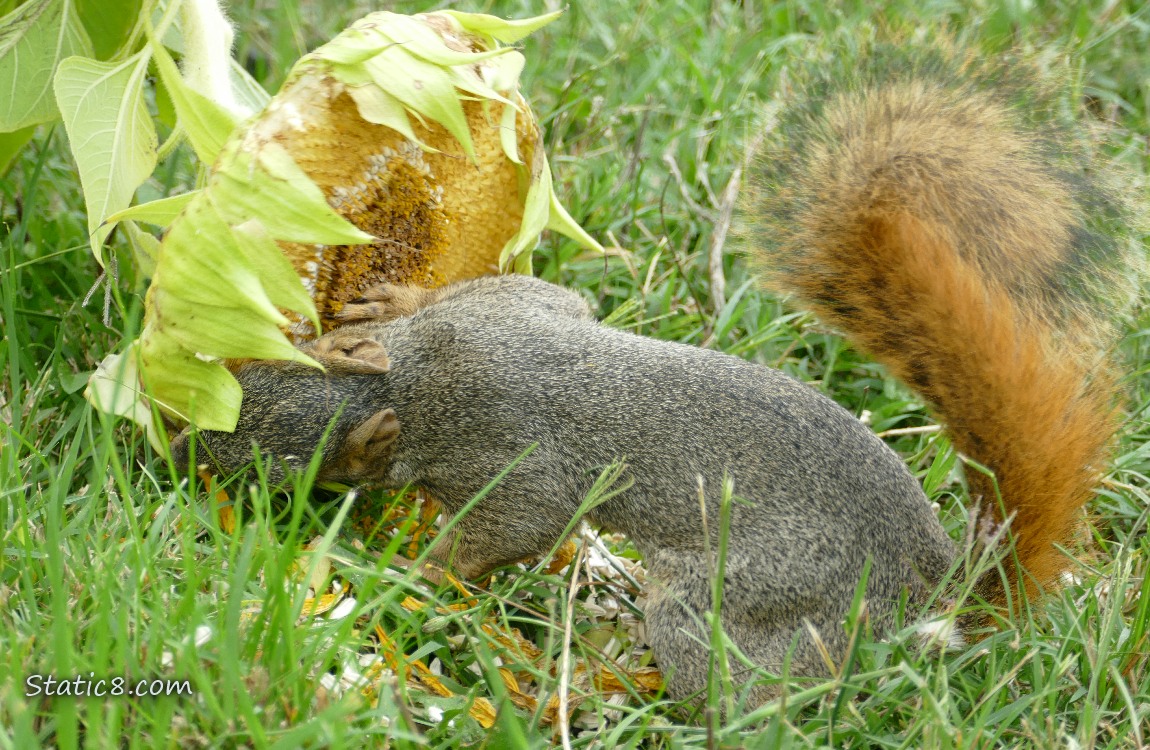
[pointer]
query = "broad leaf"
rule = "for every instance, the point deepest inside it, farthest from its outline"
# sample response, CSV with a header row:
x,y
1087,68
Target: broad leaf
x,y
145,247
111,133
535,216
419,39
424,88
185,385
34,38
377,106
560,221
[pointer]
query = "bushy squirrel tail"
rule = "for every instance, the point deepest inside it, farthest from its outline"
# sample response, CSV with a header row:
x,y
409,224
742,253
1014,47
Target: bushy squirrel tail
x,y
936,213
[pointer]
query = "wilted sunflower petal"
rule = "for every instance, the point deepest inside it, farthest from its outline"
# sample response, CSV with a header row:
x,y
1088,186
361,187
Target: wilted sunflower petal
x,y
381,108
505,30
415,36
424,88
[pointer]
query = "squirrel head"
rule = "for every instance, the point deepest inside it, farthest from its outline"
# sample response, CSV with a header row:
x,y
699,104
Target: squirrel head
x,y
291,411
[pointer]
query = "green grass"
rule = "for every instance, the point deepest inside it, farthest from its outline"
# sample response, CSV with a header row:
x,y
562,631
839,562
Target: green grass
x,y
110,564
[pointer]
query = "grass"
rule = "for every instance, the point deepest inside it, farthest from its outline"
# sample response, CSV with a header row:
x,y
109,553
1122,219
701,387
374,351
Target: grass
x,y
110,565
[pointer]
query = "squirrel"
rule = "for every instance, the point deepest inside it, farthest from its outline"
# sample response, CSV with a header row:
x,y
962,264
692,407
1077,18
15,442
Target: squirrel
x,y
920,212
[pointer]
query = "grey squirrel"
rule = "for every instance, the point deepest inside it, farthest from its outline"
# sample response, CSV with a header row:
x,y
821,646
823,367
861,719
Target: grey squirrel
x,y
919,213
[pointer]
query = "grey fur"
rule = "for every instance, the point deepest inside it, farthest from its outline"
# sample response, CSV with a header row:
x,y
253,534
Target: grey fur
x,y
499,364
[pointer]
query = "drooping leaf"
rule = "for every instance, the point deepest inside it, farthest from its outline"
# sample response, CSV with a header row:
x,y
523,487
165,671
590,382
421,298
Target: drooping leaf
x,y
112,136
160,212
226,331
221,280
424,88
267,185
507,135
560,221
280,281
503,73
535,217
207,124
377,106
34,38
216,293
187,386
417,38
145,247
201,264
115,389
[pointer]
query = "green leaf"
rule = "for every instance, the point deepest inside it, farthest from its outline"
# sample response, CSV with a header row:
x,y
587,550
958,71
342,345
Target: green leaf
x,y
506,31
377,106
33,40
109,24
207,124
145,248
541,210
225,331
503,74
115,389
508,138
279,278
200,263
221,280
186,386
352,47
417,38
466,79
12,143
112,136
535,215
560,221
160,212
424,88
248,91
269,186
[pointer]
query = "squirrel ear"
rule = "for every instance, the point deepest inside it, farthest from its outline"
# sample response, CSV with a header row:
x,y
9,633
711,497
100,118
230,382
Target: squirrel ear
x,y
353,355
371,441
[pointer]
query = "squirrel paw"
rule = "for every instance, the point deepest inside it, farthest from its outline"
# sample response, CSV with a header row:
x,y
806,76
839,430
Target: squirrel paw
x,y
385,302
352,353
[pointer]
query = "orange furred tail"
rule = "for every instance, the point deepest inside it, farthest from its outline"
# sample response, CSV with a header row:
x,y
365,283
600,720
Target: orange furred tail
x,y
1034,419
922,213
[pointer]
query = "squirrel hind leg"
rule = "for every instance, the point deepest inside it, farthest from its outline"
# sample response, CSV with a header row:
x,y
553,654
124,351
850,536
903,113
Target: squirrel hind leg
x,y
676,632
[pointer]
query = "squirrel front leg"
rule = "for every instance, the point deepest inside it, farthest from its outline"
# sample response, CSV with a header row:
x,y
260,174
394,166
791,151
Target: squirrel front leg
x,y
386,301
523,516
